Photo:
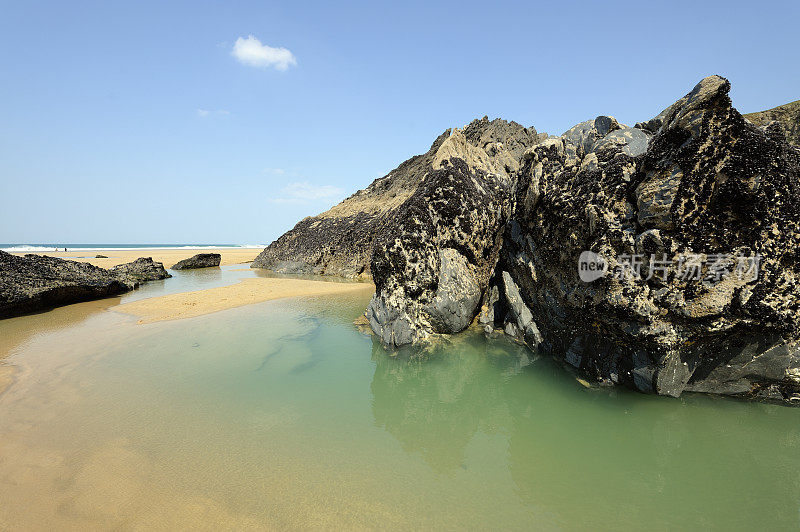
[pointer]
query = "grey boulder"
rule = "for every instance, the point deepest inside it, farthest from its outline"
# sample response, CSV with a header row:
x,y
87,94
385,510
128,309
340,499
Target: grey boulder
x,y
141,270
201,260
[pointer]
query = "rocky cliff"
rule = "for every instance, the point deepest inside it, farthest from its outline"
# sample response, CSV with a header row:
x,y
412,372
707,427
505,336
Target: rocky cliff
x,y
699,235
662,257
340,240
788,116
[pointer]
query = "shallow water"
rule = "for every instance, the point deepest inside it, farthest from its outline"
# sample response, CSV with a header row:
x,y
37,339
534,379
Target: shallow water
x,y
205,278
191,280
283,415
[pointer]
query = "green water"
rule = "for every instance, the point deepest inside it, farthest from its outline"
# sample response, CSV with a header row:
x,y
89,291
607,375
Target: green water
x,y
283,415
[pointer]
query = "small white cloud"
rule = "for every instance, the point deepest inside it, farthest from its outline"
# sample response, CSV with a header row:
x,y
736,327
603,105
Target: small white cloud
x,y
203,113
305,192
251,52
275,171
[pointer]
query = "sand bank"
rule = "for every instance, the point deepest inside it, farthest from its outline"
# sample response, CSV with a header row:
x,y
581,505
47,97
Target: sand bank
x,y
245,292
166,256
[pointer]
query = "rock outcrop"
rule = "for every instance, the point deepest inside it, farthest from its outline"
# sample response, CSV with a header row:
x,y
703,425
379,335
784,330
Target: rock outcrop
x,y
141,270
710,194
340,240
201,260
33,282
662,257
788,116
698,189
434,259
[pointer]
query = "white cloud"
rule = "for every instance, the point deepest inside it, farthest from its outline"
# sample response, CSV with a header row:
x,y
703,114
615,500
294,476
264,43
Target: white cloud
x,y
305,192
275,171
203,113
251,52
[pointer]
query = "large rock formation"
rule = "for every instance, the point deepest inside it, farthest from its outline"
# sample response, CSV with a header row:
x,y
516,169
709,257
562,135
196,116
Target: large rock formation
x,y
685,228
201,260
33,282
711,195
141,270
340,240
788,116
697,189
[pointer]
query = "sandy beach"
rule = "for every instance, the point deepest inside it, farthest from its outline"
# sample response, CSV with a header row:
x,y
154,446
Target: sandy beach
x,y
245,292
196,303
166,256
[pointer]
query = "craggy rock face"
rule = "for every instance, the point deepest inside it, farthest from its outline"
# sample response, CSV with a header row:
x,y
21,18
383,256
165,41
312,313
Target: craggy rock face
x,y
141,270
711,190
685,230
434,259
340,240
32,283
788,116
201,260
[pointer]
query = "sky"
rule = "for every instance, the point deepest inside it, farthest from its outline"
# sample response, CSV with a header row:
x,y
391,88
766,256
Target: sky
x,y
228,122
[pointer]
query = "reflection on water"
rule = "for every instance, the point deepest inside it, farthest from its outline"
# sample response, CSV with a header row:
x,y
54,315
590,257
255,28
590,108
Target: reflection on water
x,y
189,281
283,415
260,272
435,405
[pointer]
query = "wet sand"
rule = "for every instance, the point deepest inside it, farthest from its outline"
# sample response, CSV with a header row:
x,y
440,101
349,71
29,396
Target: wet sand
x,y
166,256
6,377
15,332
245,292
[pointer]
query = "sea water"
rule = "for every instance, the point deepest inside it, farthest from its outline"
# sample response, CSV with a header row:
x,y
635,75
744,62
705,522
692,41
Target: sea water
x,y
284,415
52,247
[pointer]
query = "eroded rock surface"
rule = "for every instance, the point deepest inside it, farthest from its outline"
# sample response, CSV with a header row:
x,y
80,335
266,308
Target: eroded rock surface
x,y
709,184
201,260
691,217
34,282
340,240
435,257
788,116
141,270
38,282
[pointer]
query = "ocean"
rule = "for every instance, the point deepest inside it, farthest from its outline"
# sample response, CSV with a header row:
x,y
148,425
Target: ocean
x,y
32,248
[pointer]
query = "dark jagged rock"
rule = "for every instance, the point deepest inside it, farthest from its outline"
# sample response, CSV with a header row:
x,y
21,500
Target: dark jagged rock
x,y
340,241
33,282
141,270
710,183
434,260
201,260
788,116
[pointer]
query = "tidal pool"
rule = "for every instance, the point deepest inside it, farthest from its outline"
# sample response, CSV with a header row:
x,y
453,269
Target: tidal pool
x,y
284,415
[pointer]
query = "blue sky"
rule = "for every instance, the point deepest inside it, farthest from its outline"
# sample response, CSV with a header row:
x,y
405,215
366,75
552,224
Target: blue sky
x,y
137,122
